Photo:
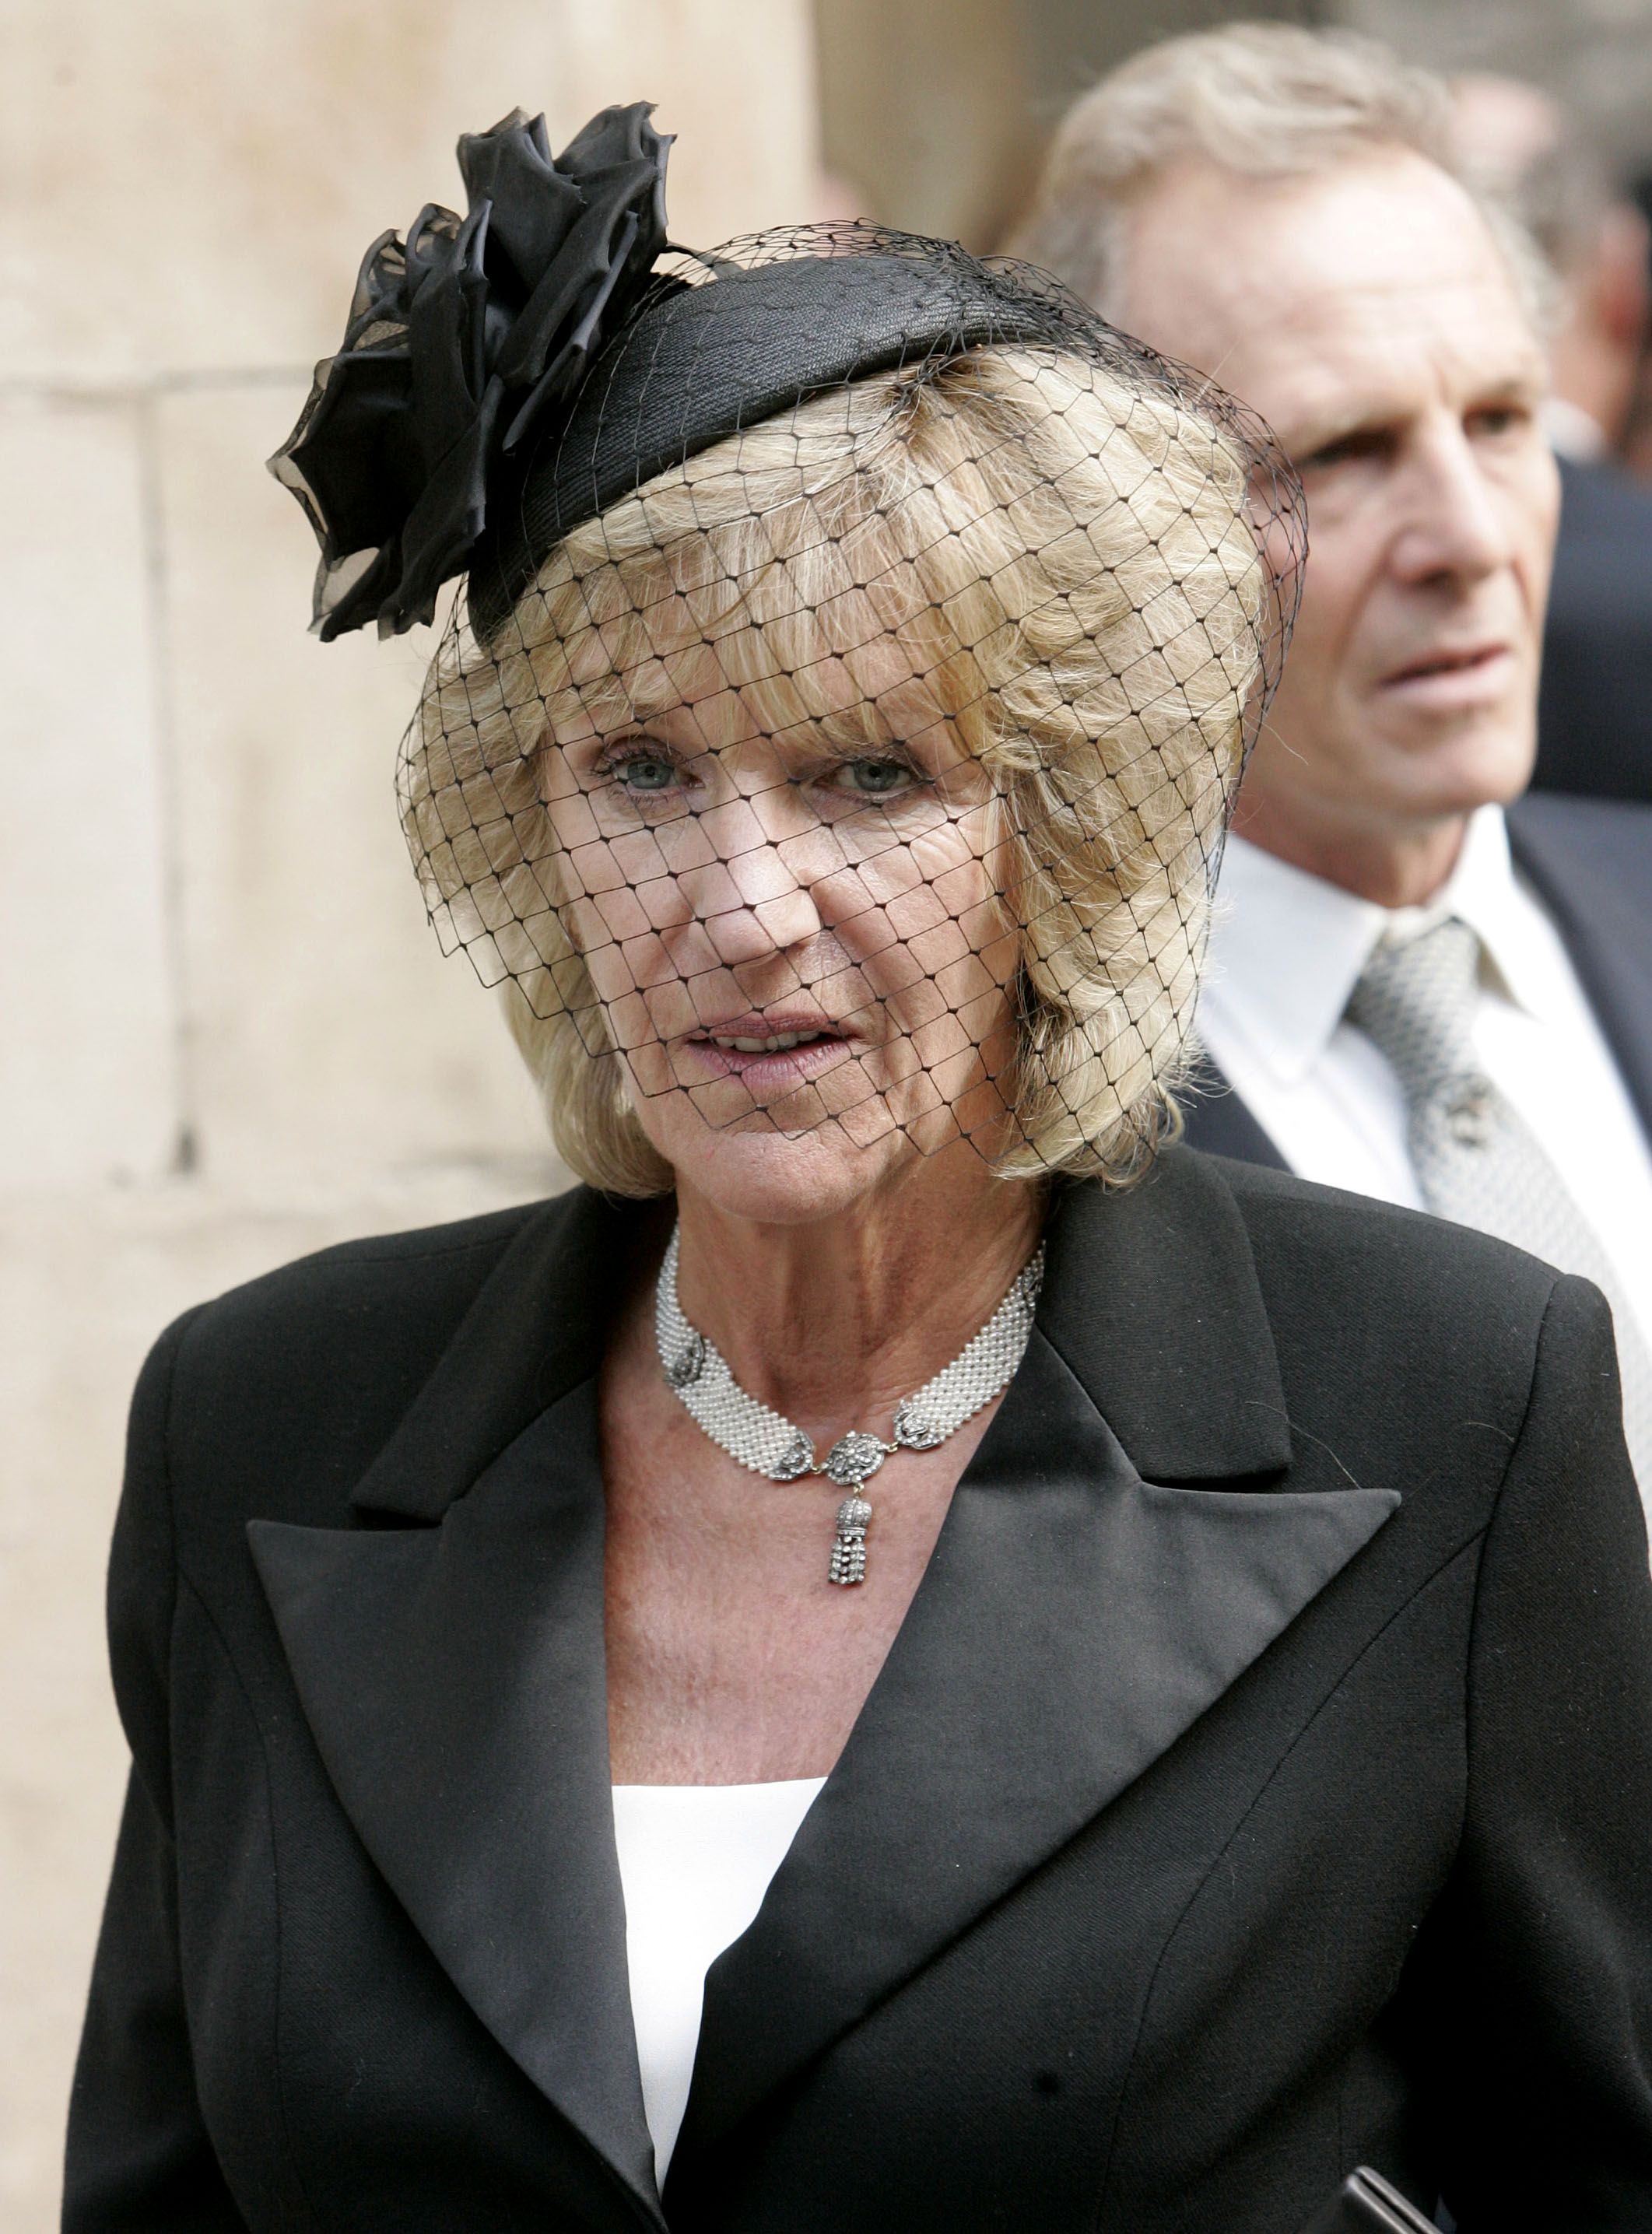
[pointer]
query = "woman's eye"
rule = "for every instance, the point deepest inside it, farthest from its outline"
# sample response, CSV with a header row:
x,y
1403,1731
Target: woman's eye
x,y
645,774
875,779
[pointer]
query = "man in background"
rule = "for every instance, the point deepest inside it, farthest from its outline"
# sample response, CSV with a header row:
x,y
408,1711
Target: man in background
x,y
1594,706
1412,995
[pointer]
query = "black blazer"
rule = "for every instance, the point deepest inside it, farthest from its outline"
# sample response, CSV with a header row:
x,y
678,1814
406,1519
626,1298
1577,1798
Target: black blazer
x,y
1595,703
1258,1785
1589,862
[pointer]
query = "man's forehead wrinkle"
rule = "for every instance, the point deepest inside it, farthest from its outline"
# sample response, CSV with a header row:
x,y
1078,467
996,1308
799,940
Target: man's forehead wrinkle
x,y
1239,273
1460,303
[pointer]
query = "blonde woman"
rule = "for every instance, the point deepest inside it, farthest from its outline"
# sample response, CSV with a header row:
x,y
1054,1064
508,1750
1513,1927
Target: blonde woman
x,y
911,1654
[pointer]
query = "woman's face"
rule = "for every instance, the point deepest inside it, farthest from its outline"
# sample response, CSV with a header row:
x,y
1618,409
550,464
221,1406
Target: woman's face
x,y
781,883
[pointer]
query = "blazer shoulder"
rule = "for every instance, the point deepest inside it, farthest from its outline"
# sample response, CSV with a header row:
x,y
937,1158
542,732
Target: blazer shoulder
x,y
1603,503
302,1374
1568,843
418,1270
1407,1345
1361,1259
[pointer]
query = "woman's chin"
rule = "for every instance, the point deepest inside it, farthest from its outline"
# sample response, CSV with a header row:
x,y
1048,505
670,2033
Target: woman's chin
x,y
753,1169
758,1167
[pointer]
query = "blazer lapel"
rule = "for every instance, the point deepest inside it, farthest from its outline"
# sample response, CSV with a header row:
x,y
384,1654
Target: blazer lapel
x,y
1076,1619
454,1680
534,1331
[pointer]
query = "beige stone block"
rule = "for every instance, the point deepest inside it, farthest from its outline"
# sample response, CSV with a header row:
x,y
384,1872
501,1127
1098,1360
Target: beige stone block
x,y
928,115
735,80
85,1085
184,184
326,1031
87,1280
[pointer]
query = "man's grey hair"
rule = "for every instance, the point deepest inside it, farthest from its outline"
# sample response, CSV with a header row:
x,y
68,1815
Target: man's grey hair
x,y
1262,100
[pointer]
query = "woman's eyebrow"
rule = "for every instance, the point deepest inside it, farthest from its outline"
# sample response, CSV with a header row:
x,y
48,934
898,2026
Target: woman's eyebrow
x,y
852,734
618,700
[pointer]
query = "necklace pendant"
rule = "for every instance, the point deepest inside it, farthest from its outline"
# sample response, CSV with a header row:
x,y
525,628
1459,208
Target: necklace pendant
x,y
915,1430
689,1363
796,1461
854,1457
849,1547
774,1447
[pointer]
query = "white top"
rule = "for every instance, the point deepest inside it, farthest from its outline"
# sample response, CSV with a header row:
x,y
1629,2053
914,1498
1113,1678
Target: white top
x,y
1286,952
695,1861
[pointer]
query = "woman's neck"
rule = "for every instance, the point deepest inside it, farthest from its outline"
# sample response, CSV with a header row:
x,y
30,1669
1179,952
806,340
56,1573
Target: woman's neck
x,y
832,1321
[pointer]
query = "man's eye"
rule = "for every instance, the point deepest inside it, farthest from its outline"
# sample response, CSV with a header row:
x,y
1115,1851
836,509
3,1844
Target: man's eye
x,y
1362,445
874,779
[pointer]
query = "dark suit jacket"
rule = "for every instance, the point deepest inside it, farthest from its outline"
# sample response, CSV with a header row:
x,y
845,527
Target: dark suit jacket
x,y
1589,862
1259,1784
1595,707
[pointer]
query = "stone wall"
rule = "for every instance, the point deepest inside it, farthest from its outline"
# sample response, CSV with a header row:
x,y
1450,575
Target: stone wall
x,y
229,1035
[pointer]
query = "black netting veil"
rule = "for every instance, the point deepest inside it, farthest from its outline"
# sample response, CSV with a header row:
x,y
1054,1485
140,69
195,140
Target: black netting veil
x,y
704,361
836,729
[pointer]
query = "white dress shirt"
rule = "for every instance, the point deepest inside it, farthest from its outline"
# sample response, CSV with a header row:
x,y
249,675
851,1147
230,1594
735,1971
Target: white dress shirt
x,y
1286,952
695,1862
1573,432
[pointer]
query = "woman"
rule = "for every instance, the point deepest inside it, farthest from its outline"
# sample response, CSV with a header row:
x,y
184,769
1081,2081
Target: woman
x,y
684,1704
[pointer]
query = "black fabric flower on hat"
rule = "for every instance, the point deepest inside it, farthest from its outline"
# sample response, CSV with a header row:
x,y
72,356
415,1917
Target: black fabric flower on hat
x,y
460,343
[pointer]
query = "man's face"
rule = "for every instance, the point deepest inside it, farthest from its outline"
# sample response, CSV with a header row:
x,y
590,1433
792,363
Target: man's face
x,y
1368,314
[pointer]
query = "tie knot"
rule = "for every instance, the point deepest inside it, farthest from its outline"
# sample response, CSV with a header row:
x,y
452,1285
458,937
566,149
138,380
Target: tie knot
x,y
1417,1002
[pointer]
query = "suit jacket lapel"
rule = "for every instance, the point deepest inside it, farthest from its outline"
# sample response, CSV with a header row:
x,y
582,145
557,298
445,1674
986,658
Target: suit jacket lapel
x,y
534,1331
454,1680
1152,1298
1075,1621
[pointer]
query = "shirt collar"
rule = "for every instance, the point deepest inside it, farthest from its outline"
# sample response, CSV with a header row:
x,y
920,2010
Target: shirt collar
x,y
1287,947
1523,961
1573,432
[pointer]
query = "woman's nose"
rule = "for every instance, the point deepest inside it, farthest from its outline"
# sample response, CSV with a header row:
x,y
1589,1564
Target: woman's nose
x,y
753,903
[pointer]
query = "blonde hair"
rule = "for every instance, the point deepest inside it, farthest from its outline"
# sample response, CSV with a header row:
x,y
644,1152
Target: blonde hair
x,y
1065,556
1261,99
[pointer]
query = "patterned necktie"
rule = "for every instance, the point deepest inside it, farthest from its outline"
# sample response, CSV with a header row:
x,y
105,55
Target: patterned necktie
x,y
1476,1161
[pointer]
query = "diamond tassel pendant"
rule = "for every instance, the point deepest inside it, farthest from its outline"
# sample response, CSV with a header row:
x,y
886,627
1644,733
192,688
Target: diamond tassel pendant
x,y
771,1446
849,1547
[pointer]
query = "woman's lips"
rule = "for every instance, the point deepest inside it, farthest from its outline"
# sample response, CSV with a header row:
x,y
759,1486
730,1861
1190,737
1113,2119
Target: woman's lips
x,y
767,1052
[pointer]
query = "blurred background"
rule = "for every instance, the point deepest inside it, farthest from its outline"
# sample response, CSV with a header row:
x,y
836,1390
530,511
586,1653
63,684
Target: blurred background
x,y
228,1036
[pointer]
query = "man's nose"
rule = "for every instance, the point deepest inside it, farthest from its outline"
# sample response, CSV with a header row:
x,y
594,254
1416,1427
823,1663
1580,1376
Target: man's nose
x,y
1453,523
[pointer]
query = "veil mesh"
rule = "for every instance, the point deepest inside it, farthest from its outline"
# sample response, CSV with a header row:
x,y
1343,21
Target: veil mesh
x,y
839,719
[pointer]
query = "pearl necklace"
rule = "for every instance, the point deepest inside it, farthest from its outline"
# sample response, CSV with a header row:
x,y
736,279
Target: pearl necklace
x,y
770,1445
